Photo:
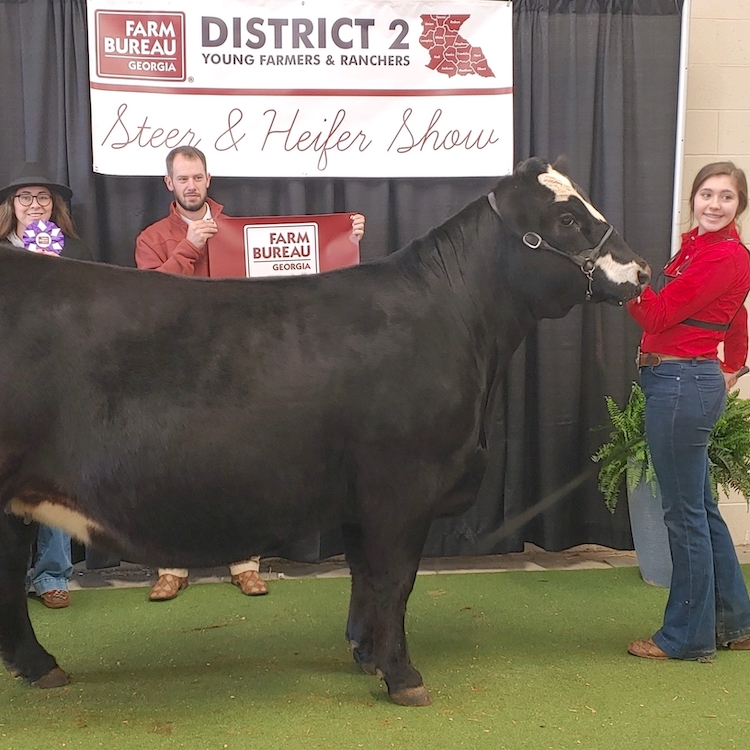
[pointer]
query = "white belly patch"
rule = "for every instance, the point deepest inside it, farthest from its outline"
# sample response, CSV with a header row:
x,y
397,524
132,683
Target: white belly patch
x,y
53,514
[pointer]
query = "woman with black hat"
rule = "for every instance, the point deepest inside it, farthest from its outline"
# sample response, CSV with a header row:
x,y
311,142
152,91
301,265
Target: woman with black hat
x,y
26,200
32,198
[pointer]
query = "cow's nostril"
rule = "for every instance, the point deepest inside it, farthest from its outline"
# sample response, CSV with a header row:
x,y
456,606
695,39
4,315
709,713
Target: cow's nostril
x,y
644,276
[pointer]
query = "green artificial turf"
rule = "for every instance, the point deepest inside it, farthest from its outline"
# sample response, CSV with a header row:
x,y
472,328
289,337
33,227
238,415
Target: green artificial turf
x,y
514,660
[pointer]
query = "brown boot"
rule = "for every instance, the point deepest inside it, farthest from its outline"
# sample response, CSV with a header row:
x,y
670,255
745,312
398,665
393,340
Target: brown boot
x,y
646,649
250,583
167,587
55,599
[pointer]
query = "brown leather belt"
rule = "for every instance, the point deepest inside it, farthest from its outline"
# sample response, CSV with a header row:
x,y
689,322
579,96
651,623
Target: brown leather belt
x,y
649,359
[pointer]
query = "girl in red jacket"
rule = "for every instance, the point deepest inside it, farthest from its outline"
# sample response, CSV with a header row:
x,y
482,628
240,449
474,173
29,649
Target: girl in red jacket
x,y
685,382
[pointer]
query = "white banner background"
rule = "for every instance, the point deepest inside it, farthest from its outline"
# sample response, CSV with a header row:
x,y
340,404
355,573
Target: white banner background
x,y
288,89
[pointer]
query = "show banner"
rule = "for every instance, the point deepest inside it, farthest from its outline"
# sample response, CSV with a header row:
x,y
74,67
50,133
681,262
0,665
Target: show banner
x,y
282,245
292,88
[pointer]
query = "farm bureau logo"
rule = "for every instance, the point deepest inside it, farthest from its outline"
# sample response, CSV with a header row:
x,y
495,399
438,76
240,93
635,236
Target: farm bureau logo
x,y
147,45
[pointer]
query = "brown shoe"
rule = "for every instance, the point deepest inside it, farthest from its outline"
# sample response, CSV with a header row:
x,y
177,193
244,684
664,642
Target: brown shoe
x,y
647,649
250,583
167,587
56,599
741,644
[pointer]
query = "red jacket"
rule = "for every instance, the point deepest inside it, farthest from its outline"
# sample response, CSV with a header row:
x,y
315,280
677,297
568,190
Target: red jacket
x,y
163,245
708,280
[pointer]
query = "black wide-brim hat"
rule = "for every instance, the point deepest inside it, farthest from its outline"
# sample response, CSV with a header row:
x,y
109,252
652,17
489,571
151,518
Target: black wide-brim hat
x,y
27,180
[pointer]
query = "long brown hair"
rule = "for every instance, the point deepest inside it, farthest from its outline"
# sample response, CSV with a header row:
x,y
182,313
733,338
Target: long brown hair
x,y
60,215
728,168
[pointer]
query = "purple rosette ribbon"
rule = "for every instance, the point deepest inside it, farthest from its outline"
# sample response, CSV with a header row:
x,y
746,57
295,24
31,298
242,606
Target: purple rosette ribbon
x,y
43,237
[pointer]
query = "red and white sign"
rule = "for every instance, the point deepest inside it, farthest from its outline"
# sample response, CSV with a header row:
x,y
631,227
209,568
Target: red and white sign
x,y
283,88
281,249
262,246
140,46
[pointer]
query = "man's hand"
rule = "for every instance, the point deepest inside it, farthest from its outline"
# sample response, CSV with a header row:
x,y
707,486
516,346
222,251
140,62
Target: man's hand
x,y
201,230
358,225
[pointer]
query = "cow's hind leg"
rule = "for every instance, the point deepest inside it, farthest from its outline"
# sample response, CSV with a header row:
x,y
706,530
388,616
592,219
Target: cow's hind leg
x,y
359,625
21,652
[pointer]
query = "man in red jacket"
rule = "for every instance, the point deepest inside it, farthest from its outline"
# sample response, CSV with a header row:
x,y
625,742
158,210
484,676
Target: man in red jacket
x,y
177,244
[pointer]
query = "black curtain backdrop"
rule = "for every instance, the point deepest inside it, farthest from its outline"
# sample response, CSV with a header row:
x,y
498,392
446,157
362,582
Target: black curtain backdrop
x,y
594,80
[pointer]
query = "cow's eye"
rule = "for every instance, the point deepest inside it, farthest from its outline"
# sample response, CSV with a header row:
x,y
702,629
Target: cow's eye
x,y
567,220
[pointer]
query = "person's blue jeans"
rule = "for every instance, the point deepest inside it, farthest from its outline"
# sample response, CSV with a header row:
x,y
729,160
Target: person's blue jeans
x,y
52,567
708,602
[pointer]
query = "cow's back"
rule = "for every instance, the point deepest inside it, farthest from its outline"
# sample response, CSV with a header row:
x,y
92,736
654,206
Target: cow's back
x,y
244,406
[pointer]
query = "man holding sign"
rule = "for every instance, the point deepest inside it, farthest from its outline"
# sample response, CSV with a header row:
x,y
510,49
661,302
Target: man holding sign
x,y
178,244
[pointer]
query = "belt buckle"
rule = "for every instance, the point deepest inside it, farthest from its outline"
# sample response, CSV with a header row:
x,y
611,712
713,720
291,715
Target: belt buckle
x,y
647,359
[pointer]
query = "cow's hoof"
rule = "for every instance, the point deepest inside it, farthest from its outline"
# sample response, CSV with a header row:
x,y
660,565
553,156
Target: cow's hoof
x,y
366,664
368,667
412,696
54,678
362,659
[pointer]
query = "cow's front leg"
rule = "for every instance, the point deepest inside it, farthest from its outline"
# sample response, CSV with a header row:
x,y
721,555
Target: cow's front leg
x,y
390,651
360,623
19,648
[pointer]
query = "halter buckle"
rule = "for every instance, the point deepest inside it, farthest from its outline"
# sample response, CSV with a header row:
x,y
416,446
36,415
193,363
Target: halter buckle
x,y
532,240
588,266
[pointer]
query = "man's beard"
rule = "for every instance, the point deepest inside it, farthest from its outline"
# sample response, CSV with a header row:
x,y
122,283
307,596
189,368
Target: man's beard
x,y
187,207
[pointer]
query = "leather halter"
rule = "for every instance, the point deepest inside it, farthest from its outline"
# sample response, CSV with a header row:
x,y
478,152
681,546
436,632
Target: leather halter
x,y
585,259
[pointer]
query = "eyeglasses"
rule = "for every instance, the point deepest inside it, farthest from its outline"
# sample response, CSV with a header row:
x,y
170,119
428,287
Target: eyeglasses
x,y
26,199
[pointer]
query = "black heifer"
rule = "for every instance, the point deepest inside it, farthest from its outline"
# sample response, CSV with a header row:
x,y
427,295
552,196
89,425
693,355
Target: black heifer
x,y
197,422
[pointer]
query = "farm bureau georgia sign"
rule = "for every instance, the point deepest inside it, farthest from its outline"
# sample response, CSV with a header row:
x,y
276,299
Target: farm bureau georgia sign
x,y
261,246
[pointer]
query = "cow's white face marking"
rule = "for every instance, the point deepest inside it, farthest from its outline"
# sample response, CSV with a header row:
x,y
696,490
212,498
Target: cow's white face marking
x,y
619,273
563,188
52,514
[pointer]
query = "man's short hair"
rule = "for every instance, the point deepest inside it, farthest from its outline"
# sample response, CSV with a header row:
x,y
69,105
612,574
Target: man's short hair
x,y
189,152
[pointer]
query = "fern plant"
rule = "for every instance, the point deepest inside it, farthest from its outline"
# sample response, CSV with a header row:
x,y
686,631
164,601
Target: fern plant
x,y
626,456
729,447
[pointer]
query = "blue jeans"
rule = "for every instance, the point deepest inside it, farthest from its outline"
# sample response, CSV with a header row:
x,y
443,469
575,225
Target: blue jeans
x,y
52,566
708,602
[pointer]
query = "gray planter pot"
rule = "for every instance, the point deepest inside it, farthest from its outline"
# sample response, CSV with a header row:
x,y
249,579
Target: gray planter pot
x,y
650,534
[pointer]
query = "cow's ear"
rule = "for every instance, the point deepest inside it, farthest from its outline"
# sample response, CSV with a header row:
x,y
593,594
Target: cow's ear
x,y
562,165
534,165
